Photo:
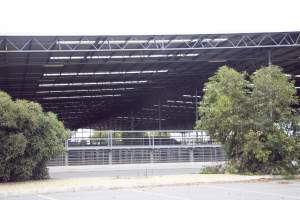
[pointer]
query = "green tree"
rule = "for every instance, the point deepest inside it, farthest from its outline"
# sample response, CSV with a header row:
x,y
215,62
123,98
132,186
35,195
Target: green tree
x,y
253,118
29,138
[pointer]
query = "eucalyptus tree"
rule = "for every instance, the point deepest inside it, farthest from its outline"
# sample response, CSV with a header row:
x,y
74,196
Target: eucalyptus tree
x,y
253,116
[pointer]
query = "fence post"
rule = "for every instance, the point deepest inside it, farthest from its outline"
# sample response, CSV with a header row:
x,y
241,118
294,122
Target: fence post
x,y
151,156
97,157
153,141
215,150
110,141
66,153
110,157
191,154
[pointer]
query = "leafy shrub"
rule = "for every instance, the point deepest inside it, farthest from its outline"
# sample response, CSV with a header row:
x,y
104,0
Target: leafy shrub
x,y
216,169
29,138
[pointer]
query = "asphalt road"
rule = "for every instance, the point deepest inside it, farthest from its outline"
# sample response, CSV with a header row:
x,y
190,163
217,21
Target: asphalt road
x,y
288,190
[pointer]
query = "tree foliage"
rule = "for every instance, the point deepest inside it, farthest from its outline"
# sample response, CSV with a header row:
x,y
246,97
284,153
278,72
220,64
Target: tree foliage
x,y
253,117
29,137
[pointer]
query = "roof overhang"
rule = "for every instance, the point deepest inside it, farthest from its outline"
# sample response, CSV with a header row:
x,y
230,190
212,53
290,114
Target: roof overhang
x,y
140,79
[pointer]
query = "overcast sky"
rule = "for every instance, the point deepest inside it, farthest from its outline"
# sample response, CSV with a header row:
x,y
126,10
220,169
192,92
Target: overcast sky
x,y
119,17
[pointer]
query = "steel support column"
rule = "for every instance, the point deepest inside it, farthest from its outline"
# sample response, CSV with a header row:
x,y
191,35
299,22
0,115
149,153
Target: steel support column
x,y
269,58
159,114
132,121
196,105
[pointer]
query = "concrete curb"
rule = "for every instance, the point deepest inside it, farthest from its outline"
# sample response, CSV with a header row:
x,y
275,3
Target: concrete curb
x,y
128,170
81,168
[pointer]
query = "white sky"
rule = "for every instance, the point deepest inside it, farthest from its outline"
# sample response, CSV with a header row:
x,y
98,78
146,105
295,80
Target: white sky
x,y
119,17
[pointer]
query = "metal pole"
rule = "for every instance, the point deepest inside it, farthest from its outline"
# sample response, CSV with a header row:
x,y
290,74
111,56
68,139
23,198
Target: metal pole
x,y
196,111
66,153
151,156
153,141
114,124
191,155
111,139
110,124
269,58
196,104
110,150
132,122
159,115
110,157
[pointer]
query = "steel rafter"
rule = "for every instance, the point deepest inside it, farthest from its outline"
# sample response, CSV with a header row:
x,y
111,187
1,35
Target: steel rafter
x,y
157,43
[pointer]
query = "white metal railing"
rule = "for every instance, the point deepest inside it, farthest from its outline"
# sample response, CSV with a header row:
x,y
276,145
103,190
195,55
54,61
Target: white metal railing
x,y
143,138
125,147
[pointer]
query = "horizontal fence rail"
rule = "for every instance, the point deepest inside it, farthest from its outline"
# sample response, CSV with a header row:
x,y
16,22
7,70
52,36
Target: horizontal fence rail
x,y
130,147
149,141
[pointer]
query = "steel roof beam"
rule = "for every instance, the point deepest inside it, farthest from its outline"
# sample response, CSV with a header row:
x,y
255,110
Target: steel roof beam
x,y
266,40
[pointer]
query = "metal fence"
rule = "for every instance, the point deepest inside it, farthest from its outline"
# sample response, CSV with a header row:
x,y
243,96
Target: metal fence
x,y
129,147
